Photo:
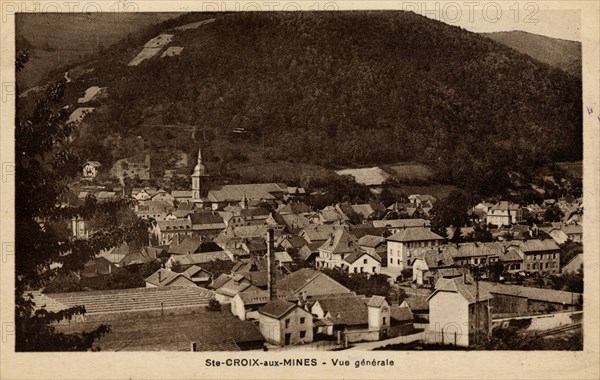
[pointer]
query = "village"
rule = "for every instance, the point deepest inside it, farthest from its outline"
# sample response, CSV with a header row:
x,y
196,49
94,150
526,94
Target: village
x,y
254,267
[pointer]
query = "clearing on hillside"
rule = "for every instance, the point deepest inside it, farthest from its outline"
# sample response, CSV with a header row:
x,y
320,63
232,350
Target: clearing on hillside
x,y
374,176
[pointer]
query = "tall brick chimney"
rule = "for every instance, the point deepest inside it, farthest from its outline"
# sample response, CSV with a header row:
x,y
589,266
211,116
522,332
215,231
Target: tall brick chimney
x,y
271,264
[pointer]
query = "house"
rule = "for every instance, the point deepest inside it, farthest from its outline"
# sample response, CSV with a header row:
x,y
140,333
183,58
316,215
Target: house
x,y
185,245
167,230
227,287
406,243
356,318
291,242
541,256
574,265
426,264
369,210
458,312
96,273
515,300
153,209
245,305
90,169
330,215
396,225
186,261
374,245
336,248
309,252
504,213
165,277
572,232
419,307
198,275
298,208
315,233
295,193
162,196
308,283
182,195
362,262
206,223
475,253
284,323
139,257
233,194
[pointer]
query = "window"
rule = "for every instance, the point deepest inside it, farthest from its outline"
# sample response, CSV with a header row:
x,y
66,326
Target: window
x,y
374,269
302,320
302,334
384,320
398,262
528,266
364,261
391,261
287,323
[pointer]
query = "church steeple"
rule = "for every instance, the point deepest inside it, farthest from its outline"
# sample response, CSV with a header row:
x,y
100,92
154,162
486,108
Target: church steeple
x,y
199,171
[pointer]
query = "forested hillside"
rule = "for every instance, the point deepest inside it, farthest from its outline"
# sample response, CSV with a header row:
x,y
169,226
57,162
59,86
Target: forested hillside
x,y
344,88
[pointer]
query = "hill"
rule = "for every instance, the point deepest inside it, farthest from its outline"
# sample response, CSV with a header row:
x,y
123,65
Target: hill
x,y
68,38
562,54
331,89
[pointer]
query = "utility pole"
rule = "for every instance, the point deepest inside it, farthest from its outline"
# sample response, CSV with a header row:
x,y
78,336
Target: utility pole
x,y
477,306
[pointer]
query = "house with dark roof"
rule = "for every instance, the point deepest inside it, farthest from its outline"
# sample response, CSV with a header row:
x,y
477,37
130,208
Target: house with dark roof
x,y
299,208
374,245
165,277
245,305
206,223
233,194
541,256
186,261
395,225
574,265
308,283
315,233
185,245
309,252
353,319
96,273
285,323
167,230
408,242
198,275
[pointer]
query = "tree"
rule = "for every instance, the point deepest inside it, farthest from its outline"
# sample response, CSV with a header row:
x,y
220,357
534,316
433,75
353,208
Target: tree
x,y
553,214
481,233
449,212
45,165
213,305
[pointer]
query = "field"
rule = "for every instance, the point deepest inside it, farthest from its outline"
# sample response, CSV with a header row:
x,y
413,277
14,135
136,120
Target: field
x,y
374,176
410,171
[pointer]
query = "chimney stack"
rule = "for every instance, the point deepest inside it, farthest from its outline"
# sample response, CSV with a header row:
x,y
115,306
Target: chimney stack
x,y
271,264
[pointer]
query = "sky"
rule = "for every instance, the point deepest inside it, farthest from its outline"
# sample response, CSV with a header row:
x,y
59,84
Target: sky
x,y
507,16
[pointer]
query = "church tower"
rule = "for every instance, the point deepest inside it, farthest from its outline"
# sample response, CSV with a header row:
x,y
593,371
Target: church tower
x,y
199,172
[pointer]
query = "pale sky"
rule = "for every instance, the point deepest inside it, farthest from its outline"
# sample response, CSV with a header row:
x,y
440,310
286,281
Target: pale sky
x,y
501,16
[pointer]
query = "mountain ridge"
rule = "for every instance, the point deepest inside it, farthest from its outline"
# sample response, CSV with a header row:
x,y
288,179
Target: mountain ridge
x,y
335,88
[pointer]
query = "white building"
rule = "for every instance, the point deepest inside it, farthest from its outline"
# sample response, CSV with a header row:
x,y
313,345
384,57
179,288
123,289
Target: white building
x,y
405,244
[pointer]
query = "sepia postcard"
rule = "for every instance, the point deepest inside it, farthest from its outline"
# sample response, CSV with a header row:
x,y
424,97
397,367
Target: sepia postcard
x,y
300,189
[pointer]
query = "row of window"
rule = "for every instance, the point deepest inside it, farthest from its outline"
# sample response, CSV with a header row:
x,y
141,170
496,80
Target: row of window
x,y
543,256
541,266
287,322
